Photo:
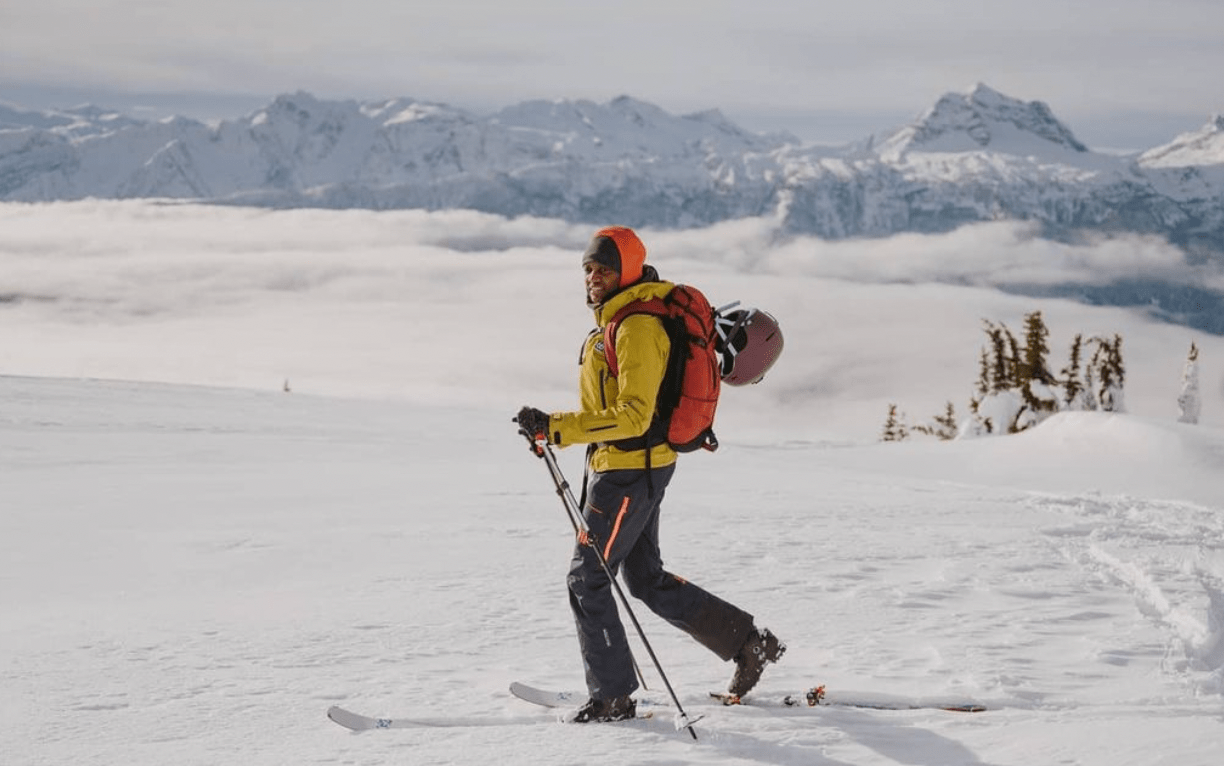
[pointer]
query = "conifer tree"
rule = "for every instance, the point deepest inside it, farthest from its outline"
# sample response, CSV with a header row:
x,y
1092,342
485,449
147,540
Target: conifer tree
x,y
1033,373
1107,374
1015,378
1118,370
1188,401
1073,386
983,383
946,426
1016,388
999,373
894,428
1036,349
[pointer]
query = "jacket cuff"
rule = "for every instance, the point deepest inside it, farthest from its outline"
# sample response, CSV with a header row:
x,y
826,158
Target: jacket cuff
x,y
555,424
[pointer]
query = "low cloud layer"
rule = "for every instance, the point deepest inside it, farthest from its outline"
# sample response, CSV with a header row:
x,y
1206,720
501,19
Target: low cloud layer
x,y
462,307
1001,255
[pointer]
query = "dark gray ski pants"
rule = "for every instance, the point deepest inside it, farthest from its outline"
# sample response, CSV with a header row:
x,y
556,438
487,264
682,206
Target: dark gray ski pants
x,y
624,521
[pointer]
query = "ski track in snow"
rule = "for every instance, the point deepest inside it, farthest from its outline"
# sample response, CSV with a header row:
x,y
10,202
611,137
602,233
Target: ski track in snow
x,y
1169,556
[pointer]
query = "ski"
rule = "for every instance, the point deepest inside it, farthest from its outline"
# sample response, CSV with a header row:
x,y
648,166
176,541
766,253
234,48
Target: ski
x,y
551,699
357,722
545,698
819,696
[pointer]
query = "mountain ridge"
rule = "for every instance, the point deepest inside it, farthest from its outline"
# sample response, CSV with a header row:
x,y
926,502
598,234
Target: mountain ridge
x,y
978,155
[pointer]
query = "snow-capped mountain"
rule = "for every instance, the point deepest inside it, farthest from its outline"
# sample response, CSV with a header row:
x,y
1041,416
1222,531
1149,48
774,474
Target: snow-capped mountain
x,y
983,119
973,156
1201,147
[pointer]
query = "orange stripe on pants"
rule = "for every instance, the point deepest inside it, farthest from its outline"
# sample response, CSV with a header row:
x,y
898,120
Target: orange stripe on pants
x,y
620,516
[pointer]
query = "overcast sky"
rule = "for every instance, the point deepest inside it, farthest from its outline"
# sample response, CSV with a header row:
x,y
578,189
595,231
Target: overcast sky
x,y
1121,73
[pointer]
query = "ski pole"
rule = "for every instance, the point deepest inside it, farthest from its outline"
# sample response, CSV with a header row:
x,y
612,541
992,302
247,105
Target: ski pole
x,y
544,450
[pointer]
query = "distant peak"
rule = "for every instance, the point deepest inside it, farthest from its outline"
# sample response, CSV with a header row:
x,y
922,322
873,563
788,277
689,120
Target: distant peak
x,y
977,119
297,97
984,94
631,105
1204,146
708,115
715,118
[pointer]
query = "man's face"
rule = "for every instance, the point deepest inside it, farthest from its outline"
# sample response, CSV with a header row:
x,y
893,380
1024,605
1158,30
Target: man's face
x,y
600,282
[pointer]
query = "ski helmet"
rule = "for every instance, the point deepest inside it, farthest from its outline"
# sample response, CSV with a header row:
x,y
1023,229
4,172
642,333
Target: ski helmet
x,y
750,343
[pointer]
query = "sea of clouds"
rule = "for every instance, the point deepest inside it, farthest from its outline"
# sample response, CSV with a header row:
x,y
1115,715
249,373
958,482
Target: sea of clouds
x,y
459,307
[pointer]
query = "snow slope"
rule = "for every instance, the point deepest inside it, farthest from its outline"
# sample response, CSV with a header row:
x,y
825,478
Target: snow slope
x,y
194,565
193,575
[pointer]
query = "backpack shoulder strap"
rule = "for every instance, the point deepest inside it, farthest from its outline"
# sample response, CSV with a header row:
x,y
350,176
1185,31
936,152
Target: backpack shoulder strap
x,y
654,306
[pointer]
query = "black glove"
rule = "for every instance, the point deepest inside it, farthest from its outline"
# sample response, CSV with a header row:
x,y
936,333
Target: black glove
x,y
532,423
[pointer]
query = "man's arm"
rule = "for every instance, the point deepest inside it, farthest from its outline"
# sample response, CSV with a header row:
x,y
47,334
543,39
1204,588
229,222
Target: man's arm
x,y
642,348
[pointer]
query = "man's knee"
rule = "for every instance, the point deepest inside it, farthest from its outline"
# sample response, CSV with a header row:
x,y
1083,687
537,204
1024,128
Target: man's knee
x,y
585,577
646,585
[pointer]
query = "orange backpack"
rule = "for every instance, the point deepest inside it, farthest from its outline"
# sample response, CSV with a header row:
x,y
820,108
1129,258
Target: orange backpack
x,y
688,396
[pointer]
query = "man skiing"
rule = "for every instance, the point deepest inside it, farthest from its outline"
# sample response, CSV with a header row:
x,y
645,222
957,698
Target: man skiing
x,y
629,470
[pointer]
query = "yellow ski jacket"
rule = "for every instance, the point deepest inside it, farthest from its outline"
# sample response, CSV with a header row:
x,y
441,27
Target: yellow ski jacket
x,y
621,407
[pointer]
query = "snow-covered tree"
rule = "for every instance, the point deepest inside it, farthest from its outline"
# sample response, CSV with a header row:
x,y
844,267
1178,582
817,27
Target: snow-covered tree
x,y
1015,389
1188,401
1034,374
994,414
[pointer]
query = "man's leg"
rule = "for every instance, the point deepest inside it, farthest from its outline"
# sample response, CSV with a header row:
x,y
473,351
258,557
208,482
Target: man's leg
x,y
718,625
619,504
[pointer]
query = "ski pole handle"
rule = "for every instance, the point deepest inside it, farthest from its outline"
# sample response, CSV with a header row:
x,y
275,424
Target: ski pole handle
x,y
533,425
535,442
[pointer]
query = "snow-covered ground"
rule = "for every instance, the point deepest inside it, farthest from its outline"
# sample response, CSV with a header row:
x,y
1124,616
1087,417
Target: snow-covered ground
x,y
194,564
